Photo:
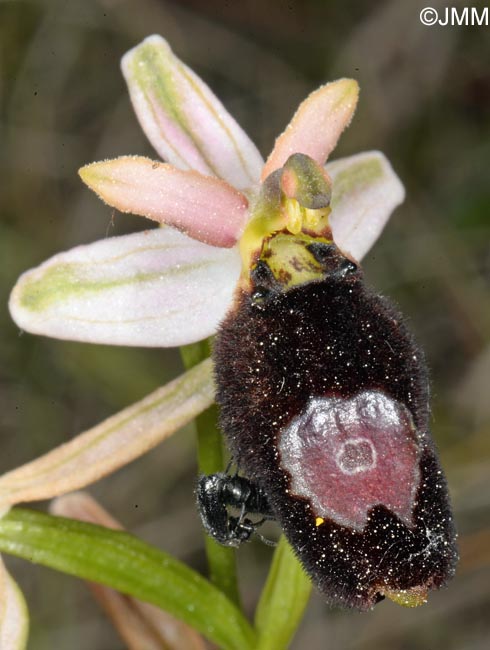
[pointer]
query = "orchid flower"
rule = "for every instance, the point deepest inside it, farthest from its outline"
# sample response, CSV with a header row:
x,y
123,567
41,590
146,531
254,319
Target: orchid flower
x,y
164,287
173,285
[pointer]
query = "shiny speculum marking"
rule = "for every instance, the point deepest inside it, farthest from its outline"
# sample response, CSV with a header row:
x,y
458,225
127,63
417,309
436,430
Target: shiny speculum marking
x,y
348,455
356,455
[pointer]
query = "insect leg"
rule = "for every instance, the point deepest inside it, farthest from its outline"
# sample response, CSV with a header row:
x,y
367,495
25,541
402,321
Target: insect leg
x,y
217,492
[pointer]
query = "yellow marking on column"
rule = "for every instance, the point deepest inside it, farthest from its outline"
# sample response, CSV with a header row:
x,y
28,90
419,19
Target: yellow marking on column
x,y
319,521
287,217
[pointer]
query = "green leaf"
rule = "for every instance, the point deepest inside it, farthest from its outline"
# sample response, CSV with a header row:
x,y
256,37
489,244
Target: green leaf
x,y
123,562
283,600
112,443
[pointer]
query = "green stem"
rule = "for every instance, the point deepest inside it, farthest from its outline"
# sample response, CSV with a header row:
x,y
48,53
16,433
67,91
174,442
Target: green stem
x,y
283,600
221,560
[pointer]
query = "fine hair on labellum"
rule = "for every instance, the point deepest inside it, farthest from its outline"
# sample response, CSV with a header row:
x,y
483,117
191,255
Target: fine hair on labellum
x,y
324,404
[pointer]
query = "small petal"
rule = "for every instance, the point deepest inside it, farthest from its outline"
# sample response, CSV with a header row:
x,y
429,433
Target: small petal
x,y
366,190
316,125
156,288
205,208
139,624
14,617
183,119
112,443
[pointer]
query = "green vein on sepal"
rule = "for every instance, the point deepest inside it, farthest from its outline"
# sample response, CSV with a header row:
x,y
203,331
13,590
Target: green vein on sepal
x,y
63,281
356,177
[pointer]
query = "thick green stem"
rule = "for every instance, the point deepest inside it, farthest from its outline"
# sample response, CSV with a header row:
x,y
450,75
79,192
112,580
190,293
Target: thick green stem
x,y
221,560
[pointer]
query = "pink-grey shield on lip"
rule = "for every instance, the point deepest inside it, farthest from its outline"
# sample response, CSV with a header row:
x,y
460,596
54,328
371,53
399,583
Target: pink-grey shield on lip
x,y
348,455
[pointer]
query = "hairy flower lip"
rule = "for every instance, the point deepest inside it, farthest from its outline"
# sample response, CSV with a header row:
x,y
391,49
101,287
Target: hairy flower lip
x,y
207,149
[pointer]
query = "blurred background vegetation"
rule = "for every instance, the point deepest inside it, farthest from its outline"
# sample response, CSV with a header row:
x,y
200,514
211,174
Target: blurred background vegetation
x,y
425,95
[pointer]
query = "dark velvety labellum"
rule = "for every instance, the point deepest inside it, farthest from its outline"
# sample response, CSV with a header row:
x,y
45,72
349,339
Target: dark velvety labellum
x,y
324,403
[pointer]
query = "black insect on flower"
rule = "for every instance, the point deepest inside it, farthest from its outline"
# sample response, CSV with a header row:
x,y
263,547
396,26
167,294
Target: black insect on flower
x,y
325,406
